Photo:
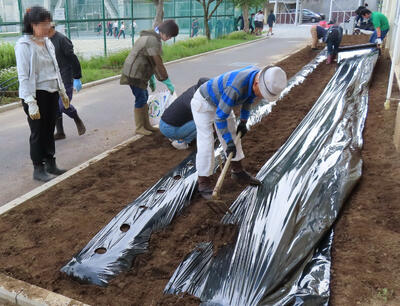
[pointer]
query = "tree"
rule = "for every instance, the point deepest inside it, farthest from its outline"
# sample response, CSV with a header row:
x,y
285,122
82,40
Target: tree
x,y
245,5
207,14
159,12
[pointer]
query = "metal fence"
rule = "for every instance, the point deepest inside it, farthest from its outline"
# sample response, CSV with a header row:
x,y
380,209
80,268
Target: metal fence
x,y
338,16
90,23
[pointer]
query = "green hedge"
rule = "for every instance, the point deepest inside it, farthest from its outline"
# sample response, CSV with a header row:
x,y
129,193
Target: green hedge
x,y
6,74
7,55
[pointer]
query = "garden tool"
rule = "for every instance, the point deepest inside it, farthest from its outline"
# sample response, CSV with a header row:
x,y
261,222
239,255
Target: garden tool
x,y
221,178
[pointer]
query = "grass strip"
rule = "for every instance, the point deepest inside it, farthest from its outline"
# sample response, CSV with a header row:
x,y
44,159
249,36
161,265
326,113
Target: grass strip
x,y
101,67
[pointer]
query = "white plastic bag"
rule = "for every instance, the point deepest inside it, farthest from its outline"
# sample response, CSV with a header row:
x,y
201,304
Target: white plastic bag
x,y
158,103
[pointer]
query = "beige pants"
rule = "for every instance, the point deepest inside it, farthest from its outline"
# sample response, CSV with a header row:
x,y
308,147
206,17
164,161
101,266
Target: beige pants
x,y
204,117
314,36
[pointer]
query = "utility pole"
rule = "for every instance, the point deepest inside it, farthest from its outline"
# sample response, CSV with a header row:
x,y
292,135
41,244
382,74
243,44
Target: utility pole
x,y
296,16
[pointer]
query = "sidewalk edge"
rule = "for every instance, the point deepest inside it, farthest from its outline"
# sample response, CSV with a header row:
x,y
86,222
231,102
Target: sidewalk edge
x,y
38,190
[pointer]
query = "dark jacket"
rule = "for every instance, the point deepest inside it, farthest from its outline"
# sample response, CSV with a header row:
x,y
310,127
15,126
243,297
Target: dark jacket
x,y
334,35
144,60
68,62
180,112
271,19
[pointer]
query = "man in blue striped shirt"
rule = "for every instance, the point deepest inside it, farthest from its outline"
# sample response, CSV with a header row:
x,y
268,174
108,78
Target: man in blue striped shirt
x,y
213,103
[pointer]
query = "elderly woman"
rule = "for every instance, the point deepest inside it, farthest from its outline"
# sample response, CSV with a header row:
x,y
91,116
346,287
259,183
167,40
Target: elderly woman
x,y
40,86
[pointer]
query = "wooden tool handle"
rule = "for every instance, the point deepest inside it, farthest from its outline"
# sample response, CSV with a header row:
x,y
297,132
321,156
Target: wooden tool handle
x,y
218,186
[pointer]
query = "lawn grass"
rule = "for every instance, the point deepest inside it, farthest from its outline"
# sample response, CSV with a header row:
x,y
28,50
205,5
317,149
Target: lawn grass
x,y
101,67
15,34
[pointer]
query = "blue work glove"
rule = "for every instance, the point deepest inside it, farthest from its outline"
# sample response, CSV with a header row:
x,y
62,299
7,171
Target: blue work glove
x,y
77,84
171,87
242,128
152,83
378,41
230,148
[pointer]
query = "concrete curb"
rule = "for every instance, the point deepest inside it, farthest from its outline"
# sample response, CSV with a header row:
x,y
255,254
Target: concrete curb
x,y
17,104
35,192
21,293
10,106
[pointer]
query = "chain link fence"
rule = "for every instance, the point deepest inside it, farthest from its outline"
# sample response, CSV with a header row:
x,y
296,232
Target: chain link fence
x,y
101,27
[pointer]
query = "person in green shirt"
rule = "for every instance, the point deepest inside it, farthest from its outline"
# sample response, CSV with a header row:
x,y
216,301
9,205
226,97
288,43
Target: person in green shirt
x,y
381,25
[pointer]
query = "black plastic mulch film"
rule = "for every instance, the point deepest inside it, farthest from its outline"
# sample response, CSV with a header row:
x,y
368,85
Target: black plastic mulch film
x,y
282,253
113,249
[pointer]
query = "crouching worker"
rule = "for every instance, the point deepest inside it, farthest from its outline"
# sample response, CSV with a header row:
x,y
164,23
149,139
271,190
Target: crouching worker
x,y
317,32
177,120
212,104
333,39
143,62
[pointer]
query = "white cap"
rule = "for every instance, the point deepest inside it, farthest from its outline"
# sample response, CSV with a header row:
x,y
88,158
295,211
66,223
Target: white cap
x,y
272,81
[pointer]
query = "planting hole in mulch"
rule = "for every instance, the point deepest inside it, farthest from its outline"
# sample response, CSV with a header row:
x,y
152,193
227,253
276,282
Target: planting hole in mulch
x,y
73,212
125,227
100,251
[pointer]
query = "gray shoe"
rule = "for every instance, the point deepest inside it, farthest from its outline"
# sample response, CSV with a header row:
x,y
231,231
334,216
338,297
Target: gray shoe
x,y
205,187
51,167
40,174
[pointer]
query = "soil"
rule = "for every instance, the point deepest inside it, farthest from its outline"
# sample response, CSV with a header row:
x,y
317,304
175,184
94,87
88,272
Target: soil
x,y
40,236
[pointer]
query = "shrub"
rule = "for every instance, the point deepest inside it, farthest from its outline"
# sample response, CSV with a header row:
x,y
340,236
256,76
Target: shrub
x,y
7,55
6,74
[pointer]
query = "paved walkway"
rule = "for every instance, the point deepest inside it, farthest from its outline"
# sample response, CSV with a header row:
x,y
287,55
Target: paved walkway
x,y
107,110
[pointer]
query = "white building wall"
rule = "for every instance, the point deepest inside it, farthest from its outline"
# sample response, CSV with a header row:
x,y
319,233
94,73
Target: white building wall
x,y
391,9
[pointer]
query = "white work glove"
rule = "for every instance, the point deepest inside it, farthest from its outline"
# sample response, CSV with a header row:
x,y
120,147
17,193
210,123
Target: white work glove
x,y
378,41
64,99
33,108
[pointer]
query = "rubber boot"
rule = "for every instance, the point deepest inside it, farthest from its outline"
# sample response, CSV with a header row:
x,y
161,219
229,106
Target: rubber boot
x,y
40,174
51,166
333,56
79,125
329,59
242,176
140,114
205,187
147,124
60,129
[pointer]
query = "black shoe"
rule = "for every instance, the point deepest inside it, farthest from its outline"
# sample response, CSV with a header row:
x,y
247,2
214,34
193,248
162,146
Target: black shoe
x,y
244,177
40,174
205,188
51,167
79,125
60,129
58,136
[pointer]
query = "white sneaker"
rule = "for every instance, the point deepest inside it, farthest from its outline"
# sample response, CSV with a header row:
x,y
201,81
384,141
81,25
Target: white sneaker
x,y
179,145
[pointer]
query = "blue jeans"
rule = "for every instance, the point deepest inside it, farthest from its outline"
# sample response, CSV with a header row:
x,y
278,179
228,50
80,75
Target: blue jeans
x,y
71,111
141,96
374,36
187,132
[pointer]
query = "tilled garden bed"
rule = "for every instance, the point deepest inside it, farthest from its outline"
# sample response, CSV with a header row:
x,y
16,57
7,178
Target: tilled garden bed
x,y
42,235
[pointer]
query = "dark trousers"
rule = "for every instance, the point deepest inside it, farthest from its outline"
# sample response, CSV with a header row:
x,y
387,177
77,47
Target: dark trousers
x,y
42,130
71,111
333,45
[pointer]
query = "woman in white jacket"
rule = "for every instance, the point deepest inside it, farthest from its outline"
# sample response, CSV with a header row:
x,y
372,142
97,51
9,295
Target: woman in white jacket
x,y
40,86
